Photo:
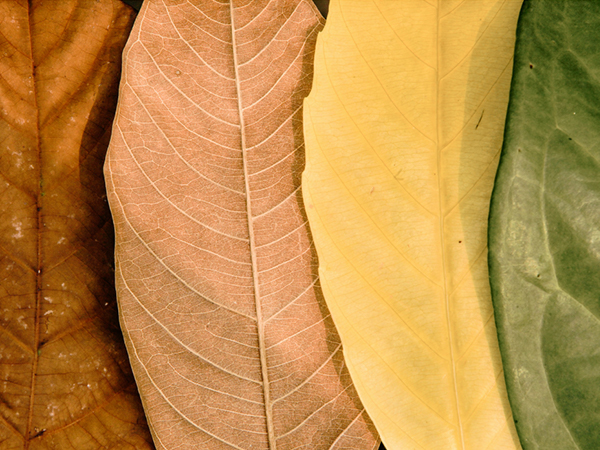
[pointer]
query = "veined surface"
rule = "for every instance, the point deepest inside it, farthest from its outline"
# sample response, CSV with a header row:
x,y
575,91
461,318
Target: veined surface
x,y
65,381
230,338
544,233
403,131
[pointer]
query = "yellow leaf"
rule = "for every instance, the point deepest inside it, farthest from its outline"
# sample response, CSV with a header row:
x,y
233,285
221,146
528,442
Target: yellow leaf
x,y
403,134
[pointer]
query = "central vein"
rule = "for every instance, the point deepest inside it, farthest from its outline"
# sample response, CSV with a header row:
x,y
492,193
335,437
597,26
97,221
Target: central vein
x,y
259,319
439,107
39,264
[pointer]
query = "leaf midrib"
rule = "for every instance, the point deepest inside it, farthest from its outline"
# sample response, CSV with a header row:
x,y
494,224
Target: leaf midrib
x,y
39,256
439,149
257,297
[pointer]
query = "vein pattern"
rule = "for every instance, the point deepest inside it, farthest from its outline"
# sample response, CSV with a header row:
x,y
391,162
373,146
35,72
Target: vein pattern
x,y
403,129
65,381
231,342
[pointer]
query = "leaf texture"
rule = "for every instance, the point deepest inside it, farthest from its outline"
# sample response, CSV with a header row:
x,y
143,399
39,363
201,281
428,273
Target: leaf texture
x,y
403,132
65,382
229,336
544,230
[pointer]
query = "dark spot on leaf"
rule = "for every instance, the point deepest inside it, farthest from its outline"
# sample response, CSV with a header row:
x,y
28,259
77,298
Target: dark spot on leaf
x,y
530,66
539,276
460,242
519,150
38,432
479,121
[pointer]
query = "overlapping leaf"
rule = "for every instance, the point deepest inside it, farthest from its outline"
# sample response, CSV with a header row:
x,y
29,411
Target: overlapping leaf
x,y
231,342
403,129
545,228
65,381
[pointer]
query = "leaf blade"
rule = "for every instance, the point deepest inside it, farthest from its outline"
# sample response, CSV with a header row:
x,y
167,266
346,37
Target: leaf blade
x,y
216,278
399,171
542,263
66,381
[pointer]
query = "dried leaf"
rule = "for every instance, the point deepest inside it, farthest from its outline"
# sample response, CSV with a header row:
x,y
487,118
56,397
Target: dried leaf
x,y
230,339
65,381
403,132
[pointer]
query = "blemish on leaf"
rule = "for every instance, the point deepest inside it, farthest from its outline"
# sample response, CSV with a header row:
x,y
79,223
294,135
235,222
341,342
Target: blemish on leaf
x,y
480,117
38,432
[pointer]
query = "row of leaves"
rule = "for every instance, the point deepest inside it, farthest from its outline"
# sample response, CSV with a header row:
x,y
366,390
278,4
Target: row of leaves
x,y
228,315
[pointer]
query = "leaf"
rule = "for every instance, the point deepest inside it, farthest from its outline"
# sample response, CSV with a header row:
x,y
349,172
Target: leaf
x,y
544,228
65,382
230,339
403,131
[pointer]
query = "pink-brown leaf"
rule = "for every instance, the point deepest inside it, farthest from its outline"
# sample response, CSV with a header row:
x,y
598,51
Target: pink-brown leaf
x,y
229,336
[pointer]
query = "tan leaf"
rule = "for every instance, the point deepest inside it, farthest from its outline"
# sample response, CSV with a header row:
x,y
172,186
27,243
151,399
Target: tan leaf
x,y
65,382
230,340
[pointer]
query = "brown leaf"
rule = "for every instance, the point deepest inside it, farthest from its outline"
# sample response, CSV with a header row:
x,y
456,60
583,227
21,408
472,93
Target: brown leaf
x,y
230,339
65,382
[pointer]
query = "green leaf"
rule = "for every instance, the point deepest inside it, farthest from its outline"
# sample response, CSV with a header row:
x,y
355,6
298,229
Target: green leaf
x,y
544,236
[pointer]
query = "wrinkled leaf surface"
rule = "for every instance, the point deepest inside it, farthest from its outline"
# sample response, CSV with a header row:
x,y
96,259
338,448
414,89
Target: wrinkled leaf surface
x,y
229,336
65,382
404,129
545,228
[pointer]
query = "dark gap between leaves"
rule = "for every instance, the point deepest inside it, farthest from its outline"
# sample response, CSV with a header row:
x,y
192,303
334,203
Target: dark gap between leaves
x,y
135,4
322,5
